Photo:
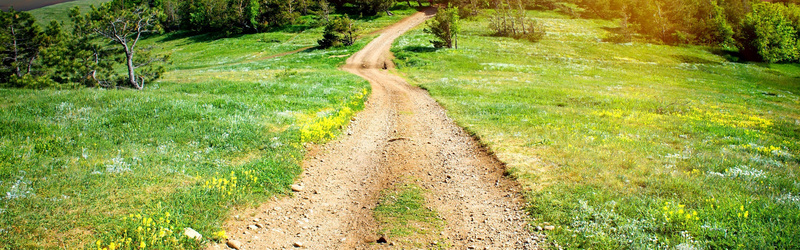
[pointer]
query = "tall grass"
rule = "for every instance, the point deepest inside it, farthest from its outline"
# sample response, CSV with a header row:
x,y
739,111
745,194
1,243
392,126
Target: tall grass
x,y
223,127
627,145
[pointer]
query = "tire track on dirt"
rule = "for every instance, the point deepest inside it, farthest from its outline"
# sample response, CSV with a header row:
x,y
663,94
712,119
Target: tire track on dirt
x,y
401,132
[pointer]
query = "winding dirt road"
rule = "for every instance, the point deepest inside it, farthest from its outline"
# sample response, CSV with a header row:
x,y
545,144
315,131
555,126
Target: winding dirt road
x,y
401,135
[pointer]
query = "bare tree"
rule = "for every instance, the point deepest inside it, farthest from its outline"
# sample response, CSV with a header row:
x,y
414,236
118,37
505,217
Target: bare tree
x,y
125,27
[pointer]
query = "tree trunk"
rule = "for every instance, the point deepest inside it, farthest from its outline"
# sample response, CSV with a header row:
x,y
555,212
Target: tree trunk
x,y
131,72
16,52
30,63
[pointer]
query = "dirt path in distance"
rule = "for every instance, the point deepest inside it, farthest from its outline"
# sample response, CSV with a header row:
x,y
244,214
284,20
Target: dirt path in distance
x,y
401,133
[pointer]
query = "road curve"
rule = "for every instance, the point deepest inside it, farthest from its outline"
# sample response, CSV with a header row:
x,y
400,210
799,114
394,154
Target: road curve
x,y
401,135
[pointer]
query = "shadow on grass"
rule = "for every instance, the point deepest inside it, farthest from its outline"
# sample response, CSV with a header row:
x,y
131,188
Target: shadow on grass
x,y
693,59
729,55
197,36
354,12
293,28
419,49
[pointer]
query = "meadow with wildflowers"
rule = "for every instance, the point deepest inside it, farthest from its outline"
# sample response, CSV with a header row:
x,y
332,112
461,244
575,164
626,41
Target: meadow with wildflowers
x,y
225,126
632,145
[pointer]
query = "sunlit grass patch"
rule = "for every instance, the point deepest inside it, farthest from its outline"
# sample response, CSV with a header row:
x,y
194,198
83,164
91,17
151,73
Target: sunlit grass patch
x,y
603,135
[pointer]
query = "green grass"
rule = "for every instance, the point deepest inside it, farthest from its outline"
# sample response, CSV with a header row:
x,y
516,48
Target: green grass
x,y
225,126
627,145
60,12
404,218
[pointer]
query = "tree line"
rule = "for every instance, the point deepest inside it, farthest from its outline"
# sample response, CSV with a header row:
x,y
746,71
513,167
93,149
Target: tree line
x,y
87,55
243,16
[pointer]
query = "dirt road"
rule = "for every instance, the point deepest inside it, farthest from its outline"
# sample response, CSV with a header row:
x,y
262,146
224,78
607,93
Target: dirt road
x,y
401,134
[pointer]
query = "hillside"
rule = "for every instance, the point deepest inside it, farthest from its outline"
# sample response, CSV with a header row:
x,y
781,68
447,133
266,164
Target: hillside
x,y
256,135
60,12
627,145
224,127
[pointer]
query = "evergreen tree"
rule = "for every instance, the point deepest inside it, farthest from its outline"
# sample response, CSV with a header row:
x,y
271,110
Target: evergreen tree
x,y
444,26
340,31
21,42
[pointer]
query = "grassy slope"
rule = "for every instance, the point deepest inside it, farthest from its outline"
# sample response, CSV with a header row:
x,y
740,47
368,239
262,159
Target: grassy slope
x,y
638,145
222,127
60,12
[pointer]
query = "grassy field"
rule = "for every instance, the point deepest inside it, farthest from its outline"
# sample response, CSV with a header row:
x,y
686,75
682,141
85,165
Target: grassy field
x,y
224,127
60,12
627,145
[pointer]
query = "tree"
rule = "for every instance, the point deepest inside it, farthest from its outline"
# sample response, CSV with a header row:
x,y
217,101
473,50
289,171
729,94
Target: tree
x,y
324,12
338,32
444,26
721,33
21,42
124,27
768,35
372,7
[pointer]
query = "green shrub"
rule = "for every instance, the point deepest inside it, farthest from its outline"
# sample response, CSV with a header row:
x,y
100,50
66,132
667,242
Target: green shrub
x,y
340,31
768,35
444,26
510,20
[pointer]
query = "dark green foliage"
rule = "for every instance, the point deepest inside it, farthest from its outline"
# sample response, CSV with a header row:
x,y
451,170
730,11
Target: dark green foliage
x,y
225,16
444,26
511,20
21,45
324,12
372,7
769,35
720,32
340,31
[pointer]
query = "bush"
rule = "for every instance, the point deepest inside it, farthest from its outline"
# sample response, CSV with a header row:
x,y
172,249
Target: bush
x,y
340,31
768,35
512,22
444,26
